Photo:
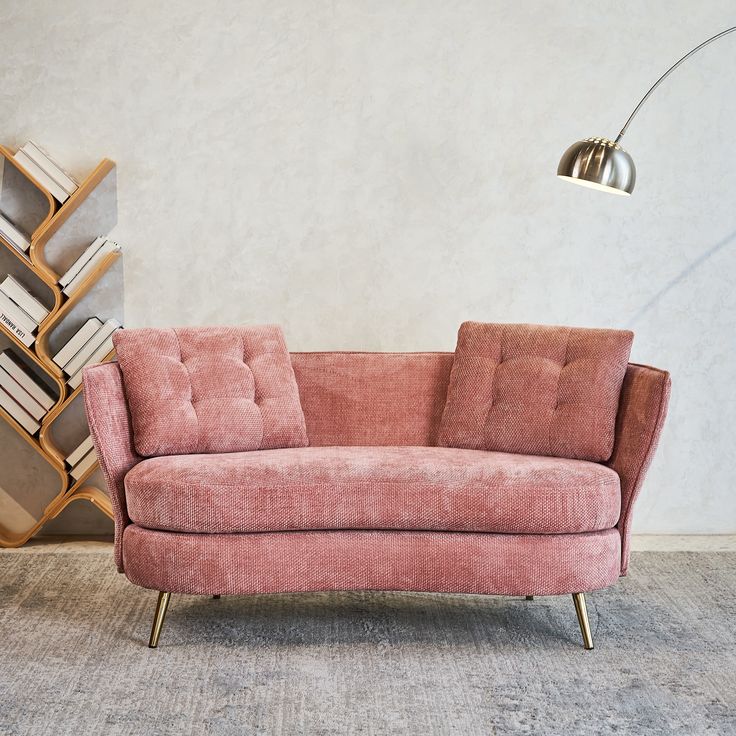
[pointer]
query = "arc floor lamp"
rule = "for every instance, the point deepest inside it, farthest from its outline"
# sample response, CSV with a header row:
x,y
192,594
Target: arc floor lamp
x,y
601,163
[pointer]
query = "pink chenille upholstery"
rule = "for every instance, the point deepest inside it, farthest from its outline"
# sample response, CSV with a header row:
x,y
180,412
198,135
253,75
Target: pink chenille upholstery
x,y
535,389
401,488
442,562
210,389
385,401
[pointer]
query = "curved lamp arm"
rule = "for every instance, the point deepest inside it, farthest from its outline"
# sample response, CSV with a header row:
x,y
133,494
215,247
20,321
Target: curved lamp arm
x,y
666,74
601,163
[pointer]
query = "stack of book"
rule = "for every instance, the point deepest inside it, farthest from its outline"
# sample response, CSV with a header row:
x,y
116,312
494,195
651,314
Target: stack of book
x,y
86,263
46,172
20,312
90,344
21,394
82,459
13,236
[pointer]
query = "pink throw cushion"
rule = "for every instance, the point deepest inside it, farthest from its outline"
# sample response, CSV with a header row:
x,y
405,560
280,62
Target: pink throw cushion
x,y
535,389
210,389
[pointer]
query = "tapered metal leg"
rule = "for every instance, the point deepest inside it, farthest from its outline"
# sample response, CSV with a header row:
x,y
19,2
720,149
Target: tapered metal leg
x,y
582,612
158,619
530,597
216,597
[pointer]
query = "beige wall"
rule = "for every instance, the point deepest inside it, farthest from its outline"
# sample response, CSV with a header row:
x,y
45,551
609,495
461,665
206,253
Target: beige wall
x,y
371,173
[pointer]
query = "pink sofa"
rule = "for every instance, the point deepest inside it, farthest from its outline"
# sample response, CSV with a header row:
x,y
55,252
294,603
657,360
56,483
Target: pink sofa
x,y
373,503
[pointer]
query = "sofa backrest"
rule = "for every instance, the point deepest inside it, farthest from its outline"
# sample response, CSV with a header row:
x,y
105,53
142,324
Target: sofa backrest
x,y
372,398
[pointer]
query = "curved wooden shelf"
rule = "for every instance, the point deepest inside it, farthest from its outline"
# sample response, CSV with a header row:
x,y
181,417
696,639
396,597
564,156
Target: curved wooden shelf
x,y
45,437
8,156
39,353
44,332
44,233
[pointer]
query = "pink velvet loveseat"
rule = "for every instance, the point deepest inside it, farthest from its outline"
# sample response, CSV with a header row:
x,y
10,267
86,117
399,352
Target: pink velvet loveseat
x,y
373,503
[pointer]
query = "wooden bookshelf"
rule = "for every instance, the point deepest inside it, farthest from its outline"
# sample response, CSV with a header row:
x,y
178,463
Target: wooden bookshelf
x,y
34,483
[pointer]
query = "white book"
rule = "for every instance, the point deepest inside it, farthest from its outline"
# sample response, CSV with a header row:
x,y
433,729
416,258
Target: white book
x,y
47,182
11,233
15,324
109,246
96,357
42,159
83,465
18,413
79,264
24,399
29,383
77,341
8,306
25,300
80,452
91,346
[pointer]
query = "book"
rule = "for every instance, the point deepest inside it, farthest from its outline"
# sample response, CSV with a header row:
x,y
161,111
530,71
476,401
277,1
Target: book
x,y
109,246
14,367
18,413
16,321
20,241
45,162
84,465
90,347
96,357
77,266
47,182
24,399
26,301
21,317
77,341
80,452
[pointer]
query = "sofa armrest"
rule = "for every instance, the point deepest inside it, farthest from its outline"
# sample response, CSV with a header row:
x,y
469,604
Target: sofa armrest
x,y
641,413
112,434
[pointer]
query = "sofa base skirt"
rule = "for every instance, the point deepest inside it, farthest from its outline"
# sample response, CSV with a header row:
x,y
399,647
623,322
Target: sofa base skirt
x,y
442,562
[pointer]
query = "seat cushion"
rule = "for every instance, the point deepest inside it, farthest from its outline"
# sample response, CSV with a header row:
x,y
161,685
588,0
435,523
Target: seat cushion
x,y
535,389
405,488
210,389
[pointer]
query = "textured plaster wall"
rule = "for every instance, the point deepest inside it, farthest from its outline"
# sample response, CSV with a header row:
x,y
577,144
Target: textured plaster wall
x,y
371,173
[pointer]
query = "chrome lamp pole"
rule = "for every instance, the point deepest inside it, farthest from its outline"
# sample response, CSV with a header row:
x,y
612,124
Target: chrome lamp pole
x,y
601,163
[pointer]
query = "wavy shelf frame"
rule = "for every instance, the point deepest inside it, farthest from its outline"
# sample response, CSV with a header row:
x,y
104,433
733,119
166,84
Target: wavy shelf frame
x,y
34,483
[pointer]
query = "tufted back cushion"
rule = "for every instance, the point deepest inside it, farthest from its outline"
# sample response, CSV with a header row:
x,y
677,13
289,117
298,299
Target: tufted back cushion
x,y
210,389
535,390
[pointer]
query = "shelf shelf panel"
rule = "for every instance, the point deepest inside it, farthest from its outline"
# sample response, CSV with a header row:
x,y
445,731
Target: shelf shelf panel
x,y
30,484
100,295
22,199
89,212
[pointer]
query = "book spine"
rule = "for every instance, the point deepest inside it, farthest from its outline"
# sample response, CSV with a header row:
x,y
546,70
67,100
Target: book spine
x,y
26,338
84,465
11,233
80,452
75,283
23,379
19,316
82,261
42,159
26,301
46,181
91,346
78,340
18,413
18,394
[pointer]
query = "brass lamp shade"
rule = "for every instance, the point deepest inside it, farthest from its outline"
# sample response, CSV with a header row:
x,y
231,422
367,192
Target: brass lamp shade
x,y
600,164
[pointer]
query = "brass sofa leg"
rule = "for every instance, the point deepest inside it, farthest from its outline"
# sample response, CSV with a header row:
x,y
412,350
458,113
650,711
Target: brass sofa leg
x,y
582,612
158,618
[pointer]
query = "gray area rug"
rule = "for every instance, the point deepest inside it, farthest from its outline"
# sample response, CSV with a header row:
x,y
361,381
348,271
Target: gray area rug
x,y
74,659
